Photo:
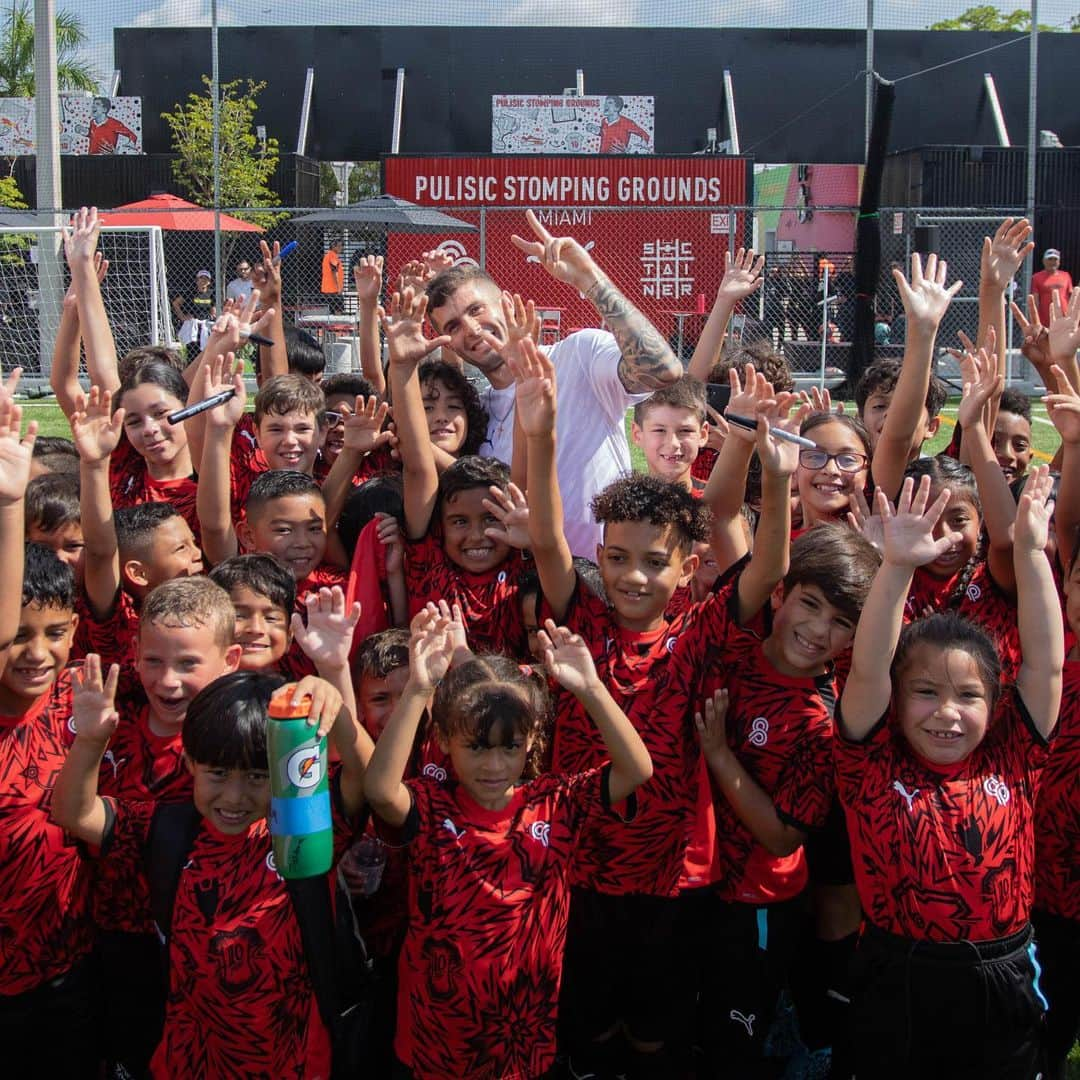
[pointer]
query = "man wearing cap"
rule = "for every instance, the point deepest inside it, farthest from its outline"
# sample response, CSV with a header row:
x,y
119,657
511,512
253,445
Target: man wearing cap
x,y
1049,281
195,310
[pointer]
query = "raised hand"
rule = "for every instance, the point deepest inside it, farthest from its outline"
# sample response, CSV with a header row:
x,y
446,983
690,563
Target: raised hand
x,y
925,297
437,261
95,428
327,637
81,236
512,512
101,268
93,701
742,276
414,275
1064,329
368,278
567,658
15,453
909,529
1063,407
1036,344
455,627
820,400
979,371
220,374
561,256
388,533
778,456
234,324
326,702
1034,511
711,725
1003,255
535,395
364,427
431,647
870,526
748,400
718,429
404,329
266,273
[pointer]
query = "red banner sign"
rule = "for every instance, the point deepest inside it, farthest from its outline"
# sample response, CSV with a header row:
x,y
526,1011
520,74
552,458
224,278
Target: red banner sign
x,y
659,227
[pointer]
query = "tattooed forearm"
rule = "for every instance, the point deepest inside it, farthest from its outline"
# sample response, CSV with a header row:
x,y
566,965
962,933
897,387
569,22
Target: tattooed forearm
x,y
647,360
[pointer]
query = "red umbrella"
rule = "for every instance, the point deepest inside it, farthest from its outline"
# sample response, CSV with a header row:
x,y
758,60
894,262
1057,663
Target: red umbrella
x,y
172,212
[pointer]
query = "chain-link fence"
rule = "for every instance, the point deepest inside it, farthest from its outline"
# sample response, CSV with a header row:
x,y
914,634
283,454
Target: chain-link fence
x,y
668,262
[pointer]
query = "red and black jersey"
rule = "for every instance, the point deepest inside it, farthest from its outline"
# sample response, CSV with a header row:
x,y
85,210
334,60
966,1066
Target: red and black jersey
x,y
112,638
240,1000
702,466
295,664
1057,819
944,853
488,904
138,765
131,484
982,602
45,885
378,463
490,602
781,729
655,677
246,462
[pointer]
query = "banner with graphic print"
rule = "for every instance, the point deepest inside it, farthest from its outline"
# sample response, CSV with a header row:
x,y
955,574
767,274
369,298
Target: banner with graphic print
x,y
601,124
88,125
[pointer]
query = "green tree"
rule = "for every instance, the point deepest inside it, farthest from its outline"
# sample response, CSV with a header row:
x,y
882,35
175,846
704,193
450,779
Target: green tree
x,y
363,180
13,245
988,17
17,53
328,184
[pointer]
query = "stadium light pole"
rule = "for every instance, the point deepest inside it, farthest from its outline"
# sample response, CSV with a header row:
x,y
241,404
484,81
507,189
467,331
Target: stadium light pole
x,y
47,167
869,77
215,84
1033,133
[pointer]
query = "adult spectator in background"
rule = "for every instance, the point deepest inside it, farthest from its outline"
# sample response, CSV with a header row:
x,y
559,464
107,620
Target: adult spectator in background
x,y
1049,280
240,287
195,311
333,278
599,373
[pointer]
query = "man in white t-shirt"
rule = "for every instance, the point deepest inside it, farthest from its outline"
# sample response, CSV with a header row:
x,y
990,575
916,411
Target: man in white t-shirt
x,y
599,373
240,287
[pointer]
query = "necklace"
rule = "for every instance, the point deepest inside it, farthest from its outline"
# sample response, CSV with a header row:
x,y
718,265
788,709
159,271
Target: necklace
x,y
500,421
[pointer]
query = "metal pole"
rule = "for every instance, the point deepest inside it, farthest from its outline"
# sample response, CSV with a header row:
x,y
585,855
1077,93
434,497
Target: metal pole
x,y
732,120
824,322
215,89
869,108
483,238
49,192
399,111
996,110
1033,131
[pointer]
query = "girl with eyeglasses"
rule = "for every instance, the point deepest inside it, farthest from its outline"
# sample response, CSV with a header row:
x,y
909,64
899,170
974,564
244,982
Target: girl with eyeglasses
x,y
829,476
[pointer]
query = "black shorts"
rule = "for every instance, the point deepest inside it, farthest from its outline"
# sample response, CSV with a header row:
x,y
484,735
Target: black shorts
x,y
828,850
1057,947
968,1010
624,961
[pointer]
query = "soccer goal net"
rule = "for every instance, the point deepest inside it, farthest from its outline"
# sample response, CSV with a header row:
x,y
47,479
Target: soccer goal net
x,y
135,292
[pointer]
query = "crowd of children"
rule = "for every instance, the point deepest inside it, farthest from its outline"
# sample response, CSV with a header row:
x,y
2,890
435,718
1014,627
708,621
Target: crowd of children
x,y
783,784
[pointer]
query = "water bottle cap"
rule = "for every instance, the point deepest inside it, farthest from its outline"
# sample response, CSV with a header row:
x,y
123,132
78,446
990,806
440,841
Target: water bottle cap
x,y
281,706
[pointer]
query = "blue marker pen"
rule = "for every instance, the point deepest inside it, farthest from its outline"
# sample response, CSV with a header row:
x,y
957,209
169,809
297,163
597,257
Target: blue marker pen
x,y
287,250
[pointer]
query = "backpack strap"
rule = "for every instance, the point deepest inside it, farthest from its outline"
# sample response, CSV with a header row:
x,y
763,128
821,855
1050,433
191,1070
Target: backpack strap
x,y
169,841
312,905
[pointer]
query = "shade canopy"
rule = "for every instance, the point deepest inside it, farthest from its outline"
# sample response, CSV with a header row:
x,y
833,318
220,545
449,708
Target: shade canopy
x,y
176,214
386,213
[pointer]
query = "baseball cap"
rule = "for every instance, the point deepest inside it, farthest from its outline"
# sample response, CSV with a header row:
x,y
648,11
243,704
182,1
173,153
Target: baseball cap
x,y
207,274
1051,253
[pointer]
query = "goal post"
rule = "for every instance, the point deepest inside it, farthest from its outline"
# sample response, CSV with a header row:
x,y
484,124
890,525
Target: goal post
x,y
135,292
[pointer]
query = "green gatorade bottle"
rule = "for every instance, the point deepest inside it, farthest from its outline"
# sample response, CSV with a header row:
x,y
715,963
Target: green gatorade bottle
x,y
300,823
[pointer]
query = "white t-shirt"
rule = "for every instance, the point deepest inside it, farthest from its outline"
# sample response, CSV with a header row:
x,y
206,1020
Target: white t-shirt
x,y
239,289
591,448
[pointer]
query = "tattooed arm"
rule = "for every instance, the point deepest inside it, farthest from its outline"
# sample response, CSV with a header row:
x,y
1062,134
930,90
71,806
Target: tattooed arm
x,y
647,361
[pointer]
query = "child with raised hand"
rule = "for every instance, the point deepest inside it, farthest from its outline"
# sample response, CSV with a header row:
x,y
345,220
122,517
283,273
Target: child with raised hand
x,y
255,1014
490,852
622,973
925,299
973,576
938,767
461,529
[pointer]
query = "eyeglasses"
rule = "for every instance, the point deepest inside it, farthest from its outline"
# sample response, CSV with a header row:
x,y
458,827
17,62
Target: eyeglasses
x,y
334,418
845,461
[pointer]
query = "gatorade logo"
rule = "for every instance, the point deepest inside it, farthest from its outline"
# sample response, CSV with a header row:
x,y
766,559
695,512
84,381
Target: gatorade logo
x,y
304,767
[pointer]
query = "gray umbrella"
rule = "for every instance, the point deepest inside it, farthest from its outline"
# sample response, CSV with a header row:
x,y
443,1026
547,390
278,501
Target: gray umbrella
x,y
387,213
29,219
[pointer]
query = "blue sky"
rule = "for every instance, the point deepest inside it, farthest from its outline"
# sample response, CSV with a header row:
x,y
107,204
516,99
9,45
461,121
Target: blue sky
x,y
101,16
